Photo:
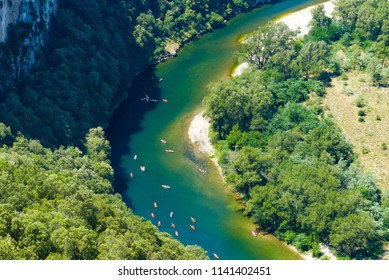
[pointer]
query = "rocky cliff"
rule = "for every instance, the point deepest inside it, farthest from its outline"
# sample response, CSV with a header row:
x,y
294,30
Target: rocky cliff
x,y
36,12
35,16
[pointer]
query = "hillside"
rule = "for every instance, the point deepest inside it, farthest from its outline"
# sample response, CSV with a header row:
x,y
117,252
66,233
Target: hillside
x,y
361,111
57,90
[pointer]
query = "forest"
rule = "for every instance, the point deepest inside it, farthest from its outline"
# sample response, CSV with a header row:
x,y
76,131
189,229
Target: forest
x,y
93,50
292,166
56,192
60,205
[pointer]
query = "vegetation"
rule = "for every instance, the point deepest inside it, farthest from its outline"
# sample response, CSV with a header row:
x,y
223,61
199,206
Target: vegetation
x,y
93,50
59,204
293,167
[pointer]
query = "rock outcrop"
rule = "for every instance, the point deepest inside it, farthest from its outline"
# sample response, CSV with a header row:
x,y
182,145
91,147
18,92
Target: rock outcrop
x,y
35,15
36,12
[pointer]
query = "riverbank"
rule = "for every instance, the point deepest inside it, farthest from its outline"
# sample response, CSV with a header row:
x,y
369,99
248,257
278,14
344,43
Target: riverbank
x,y
300,20
198,133
200,126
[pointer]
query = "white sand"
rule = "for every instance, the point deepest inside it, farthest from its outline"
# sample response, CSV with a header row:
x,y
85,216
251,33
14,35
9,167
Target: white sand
x,y
240,69
300,19
198,134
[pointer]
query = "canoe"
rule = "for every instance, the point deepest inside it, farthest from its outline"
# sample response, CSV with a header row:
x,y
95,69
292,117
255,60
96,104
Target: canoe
x,y
192,227
215,255
176,233
254,233
165,100
193,219
155,205
165,186
169,151
143,168
152,215
171,214
163,141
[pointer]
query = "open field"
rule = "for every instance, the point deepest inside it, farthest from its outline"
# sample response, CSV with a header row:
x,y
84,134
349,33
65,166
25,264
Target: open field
x,y
347,101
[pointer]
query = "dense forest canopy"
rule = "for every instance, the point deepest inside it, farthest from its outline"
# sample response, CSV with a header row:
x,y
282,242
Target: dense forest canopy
x,y
59,204
291,164
93,50
293,167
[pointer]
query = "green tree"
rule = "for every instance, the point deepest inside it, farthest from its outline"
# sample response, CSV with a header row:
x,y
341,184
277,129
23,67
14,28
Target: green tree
x,y
372,16
269,40
233,103
353,235
347,11
319,17
313,58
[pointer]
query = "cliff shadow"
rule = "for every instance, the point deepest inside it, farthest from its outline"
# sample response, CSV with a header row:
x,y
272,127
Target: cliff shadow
x,y
142,96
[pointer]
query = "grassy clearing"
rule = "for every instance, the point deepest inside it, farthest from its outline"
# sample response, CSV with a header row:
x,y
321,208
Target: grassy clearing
x,y
362,112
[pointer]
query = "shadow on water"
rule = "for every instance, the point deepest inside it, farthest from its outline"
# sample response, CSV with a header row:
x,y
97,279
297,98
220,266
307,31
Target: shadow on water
x,y
126,121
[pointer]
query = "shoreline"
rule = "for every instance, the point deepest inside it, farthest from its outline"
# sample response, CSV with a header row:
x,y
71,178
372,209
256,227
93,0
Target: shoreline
x,y
198,133
199,127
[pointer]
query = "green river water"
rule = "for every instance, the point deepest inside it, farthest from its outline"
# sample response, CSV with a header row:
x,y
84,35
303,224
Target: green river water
x,y
137,126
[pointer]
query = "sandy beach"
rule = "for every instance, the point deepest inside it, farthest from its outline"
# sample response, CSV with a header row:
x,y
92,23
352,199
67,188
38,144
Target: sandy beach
x,y
300,19
199,127
198,134
240,69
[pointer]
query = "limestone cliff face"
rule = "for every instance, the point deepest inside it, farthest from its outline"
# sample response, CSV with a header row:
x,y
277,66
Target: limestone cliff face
x,y
36,14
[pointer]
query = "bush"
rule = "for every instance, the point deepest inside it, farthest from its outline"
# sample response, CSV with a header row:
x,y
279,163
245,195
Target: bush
x,y
364,150
360,102
348,91
301,242
344,77
378,118
361,119
316,253
288,236
361,113
384,147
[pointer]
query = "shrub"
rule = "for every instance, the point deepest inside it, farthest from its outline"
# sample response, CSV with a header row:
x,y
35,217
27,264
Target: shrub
x,y
301,242
344,77
348,91
384,147
364,150
288,236
378,118
361,113
316,253
360,102
361,119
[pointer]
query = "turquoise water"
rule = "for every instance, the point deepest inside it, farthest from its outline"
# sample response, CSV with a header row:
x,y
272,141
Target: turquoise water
x,y
137,127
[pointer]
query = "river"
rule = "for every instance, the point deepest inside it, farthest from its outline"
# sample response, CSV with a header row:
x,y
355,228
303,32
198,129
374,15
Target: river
x,y
137,126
